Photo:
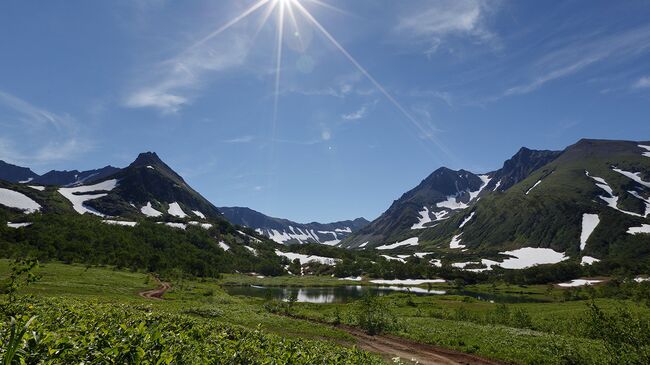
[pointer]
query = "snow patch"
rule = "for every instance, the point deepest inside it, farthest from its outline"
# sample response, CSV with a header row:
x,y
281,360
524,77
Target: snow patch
x,y
352,278
423,219
391,258
150,167
533,187
455,242
497,185
646,154
175,225
224,246
18,225
307,258
645,228
37,187
530,256
364,244
149,211
589,223
176,211
588,260
611,200
249,236
26,181
344,230
579,282
252,250
199,224
198,214
636,176
14,199
77,197
467,220
119,223
413,241
413,282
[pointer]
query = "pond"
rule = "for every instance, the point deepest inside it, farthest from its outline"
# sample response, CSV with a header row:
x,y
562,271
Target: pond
x,y
323,295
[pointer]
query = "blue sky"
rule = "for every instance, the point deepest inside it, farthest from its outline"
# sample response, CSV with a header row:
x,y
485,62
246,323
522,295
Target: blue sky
x,y
457,83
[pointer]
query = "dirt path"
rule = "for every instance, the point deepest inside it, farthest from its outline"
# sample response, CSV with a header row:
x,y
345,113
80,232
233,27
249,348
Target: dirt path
x,y
157,293
392,346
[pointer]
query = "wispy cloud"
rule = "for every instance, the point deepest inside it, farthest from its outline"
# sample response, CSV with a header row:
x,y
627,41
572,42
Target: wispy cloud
x,y
173,83
642,83
360,113
34,135
242,139
439,20
578,54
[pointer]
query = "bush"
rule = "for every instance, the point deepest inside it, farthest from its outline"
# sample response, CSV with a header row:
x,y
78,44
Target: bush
x,y
373,316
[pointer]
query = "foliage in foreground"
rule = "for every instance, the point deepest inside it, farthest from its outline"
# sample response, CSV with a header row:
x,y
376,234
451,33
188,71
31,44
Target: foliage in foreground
x,y
93,333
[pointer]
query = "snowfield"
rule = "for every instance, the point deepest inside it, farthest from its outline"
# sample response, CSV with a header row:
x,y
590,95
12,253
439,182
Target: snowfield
x,y
579,282
149,211
589,223
37,187
14,199
636,176
413,241
199,224
224,246
77,197
176,211
176,225
452,200
307,258
645,228
455,242
198,214
423,219
391,258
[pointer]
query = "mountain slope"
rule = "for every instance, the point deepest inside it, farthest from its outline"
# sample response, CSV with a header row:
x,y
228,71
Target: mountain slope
x,y
288,232
16,174
591,202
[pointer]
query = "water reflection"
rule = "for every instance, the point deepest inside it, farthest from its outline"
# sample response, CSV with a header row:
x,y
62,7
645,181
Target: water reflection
x,y
323,295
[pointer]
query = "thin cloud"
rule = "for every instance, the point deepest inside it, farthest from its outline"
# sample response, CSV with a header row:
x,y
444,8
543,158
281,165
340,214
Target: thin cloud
x,y
642,83
242,139
441,20
360,113
45,136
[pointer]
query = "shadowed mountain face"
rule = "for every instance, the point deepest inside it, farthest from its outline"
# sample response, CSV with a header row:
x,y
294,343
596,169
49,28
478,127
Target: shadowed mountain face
x,y
289,232
592,199
16,174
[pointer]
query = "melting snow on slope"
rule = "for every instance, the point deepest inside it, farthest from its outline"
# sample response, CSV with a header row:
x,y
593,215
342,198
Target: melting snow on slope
x,y
119,223
176,225
452,200
645,228
647,201
14,199
198,214
611,200
413,241
391,258
149,211
37,187
176,211
423,219
307,258
252,250
579,282
455,242
364,244
533,187
636,176
588,260
497,185
199,224
77,197
18,225
249,236
224,246
589,223
530,256
407,281
352,278
344,230
467,220
646,154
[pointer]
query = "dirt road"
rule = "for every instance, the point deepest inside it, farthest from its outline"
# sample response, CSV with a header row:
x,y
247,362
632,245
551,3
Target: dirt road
x,y
157,293
415,352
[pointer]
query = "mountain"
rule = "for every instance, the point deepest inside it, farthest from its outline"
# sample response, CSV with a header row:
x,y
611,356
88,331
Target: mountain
x,y
74,177
16,174
147,187
436,198
287,232
589,202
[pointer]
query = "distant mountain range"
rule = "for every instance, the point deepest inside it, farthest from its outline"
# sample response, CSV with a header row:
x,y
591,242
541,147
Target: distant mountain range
x,y
24,175
287,232
589,201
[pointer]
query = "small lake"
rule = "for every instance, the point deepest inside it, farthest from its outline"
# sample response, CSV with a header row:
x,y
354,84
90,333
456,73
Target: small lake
x,y
323,295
